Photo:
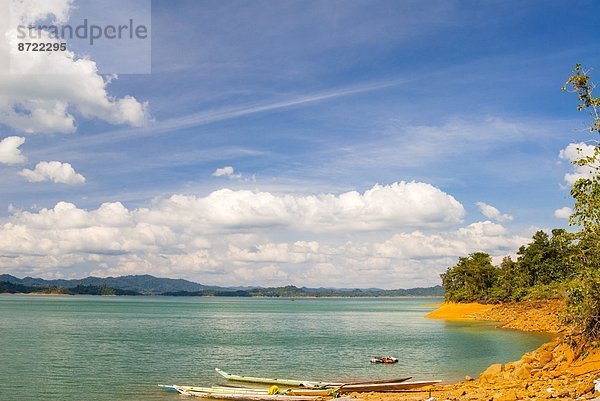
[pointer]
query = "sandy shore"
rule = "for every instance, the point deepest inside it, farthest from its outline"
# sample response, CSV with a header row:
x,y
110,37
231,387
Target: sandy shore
x,y
553,371
458,312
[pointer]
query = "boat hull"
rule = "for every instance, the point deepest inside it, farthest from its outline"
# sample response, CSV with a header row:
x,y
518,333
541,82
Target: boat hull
x,y
282,382
381,387
245,397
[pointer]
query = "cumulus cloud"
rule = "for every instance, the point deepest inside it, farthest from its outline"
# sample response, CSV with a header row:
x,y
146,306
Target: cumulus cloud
x,y
563,212
574,152
10,152
226,171
402,204
259,238
33,102
480,236
269,275
491,212
54,171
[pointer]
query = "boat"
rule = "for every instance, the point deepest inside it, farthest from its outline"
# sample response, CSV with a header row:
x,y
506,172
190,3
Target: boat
x,y
317,390
282,382
325,392
384,359
223,390
382,387
378,385
273,390
213,394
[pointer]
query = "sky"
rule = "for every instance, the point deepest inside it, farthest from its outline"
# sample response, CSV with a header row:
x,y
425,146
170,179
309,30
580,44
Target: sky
x,y
315,143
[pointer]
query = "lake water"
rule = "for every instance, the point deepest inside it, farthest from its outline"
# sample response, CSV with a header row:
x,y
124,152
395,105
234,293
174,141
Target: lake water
x,y
120,348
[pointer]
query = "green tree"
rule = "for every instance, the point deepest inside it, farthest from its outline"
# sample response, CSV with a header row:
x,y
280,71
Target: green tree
x,y
583,304
512,283
534,258
471,279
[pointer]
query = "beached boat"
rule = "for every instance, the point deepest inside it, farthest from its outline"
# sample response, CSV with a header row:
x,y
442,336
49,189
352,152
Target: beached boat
x,y
273,390
325,392
282,382
223,390
377,385
382,387
242,396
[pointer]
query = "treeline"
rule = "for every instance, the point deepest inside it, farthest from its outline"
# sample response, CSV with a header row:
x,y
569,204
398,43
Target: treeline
x,y
12,288
272,292
291,291
544,269
561,266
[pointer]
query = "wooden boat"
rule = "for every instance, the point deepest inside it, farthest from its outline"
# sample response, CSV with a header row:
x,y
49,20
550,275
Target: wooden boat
x,y
282,382
326,392
379,387
223,390
253,391
245,397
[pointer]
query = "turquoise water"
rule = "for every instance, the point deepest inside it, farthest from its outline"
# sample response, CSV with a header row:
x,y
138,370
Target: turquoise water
x,y
119,348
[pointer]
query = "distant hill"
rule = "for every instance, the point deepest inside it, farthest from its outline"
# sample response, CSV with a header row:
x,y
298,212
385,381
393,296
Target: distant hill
x,y
150,285
143,284
13,288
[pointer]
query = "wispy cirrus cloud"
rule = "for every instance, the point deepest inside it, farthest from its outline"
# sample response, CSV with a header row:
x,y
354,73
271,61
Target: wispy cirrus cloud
x,y
171,125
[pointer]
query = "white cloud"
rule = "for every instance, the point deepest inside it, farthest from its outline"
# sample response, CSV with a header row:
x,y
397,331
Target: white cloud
x,y
54,171
29,11
574,152
491,212
403,204
10,152
563,212
414,145
226,171
480,236
270,275
33,101
258,238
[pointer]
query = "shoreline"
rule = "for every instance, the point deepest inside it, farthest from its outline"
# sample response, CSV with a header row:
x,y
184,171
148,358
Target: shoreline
x,y
456,312
222,296
552,371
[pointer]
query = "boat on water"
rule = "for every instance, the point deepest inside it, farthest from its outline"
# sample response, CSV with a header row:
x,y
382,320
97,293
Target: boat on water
x,y
223,390
384,359
282,382
273,390
213,393
384,387
356,386
303,390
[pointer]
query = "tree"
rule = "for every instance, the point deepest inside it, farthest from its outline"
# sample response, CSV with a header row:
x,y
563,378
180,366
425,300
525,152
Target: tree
x,y
471,279
583,304
512,283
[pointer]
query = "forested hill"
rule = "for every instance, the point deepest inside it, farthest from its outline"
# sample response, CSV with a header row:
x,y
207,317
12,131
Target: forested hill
x,y
150,285
143,284
293,291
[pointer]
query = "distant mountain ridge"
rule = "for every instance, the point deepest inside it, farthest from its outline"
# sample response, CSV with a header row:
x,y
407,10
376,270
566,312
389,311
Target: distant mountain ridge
x,y
150,285
143,284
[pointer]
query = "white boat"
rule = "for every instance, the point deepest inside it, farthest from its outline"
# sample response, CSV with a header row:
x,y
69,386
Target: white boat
x,y
282,382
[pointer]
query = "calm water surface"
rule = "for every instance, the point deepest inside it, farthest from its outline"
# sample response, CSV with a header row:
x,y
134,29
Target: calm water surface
x,y
119,348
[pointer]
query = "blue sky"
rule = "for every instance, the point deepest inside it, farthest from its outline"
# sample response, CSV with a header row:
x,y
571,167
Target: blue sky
x,y
306,98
